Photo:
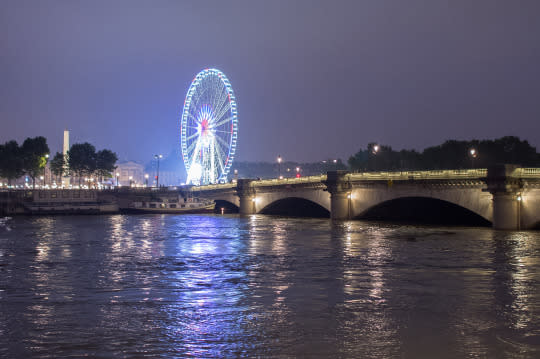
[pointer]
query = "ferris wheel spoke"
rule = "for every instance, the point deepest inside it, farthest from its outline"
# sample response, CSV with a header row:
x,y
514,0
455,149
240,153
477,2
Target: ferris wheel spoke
x,y
191,146
192,136
222,100
222,113
222,142
190,115
221,158
224,121
216,94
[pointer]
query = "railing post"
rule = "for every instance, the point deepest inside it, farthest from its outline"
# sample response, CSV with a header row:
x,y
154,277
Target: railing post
x,y
339,186
246,193
505,189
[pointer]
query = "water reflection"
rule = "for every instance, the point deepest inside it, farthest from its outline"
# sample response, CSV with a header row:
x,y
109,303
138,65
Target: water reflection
x,y
516,281
262,286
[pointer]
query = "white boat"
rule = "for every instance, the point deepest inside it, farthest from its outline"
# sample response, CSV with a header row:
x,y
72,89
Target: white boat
x,y
171,205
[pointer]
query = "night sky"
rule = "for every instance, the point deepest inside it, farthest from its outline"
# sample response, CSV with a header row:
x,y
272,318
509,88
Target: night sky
x,y
313,79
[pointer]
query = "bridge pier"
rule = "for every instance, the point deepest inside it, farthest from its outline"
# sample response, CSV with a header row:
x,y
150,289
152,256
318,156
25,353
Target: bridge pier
x,y
505,190
246,194
339,186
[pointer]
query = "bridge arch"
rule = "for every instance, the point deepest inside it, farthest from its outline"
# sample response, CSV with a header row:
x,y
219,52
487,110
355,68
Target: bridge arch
x,y
295,207
303,197
470,200
227,206
423,210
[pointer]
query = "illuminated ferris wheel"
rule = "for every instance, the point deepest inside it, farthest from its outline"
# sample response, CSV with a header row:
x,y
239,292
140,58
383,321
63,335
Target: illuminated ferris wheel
x,y
209,128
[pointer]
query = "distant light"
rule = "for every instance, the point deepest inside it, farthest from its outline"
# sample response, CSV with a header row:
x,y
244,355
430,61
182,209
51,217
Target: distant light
x,y
335,161
519,198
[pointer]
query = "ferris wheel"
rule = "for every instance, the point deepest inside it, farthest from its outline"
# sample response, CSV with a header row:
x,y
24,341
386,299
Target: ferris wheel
x,y
209,128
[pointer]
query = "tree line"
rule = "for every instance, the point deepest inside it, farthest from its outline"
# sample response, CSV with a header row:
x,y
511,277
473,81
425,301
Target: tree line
x,y
32,156
451,154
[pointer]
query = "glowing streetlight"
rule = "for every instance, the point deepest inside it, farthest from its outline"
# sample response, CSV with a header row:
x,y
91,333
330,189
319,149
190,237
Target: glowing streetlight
x,y
146,179
117,175
279,166
474,153
157,157
130,181
375,149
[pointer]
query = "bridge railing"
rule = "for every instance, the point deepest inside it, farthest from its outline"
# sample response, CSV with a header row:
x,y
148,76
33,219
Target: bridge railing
x,y
408,175
477,173
527,172
284,181
210,187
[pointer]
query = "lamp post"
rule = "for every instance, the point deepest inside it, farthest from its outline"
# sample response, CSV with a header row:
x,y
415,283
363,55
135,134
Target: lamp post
x,y
42,182
279,166
297,172
117,175
157,157
473,154
146,179
45,169
375,149
130,181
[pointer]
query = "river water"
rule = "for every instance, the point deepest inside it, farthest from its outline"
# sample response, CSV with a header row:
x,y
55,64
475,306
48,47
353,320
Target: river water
x,y
262,286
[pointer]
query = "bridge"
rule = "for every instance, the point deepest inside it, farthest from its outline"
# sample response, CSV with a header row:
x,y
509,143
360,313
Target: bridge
x,y
505,195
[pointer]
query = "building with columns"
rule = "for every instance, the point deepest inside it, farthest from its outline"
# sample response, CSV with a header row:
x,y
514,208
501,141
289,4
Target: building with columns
x,y
129,173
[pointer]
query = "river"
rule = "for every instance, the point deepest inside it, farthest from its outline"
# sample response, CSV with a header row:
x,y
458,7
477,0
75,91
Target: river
x,y
211,286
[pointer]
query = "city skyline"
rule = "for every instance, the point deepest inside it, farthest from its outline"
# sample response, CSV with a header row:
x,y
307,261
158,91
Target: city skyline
x,y
312,80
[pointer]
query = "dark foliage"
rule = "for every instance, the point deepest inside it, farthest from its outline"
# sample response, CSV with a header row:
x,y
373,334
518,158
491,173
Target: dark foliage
x,y
451,154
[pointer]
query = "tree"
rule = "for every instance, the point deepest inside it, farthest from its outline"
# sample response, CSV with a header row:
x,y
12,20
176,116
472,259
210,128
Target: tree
x,y
105,163
34,154
57,165
11,161
82,159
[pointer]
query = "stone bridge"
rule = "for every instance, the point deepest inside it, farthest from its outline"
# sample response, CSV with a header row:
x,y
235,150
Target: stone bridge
x,y
505,195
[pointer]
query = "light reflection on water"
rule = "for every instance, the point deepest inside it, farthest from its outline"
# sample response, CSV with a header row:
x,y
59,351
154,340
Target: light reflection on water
x,y
227,286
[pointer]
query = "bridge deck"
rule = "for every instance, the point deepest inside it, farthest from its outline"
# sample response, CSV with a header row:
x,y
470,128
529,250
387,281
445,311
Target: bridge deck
x,y
533,173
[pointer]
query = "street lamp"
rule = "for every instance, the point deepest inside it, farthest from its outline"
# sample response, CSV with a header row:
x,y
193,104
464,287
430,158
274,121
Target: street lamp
x,y
279,166
146,179
297,172
42,182
473,152
375,149
130,181
117,175
157,157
